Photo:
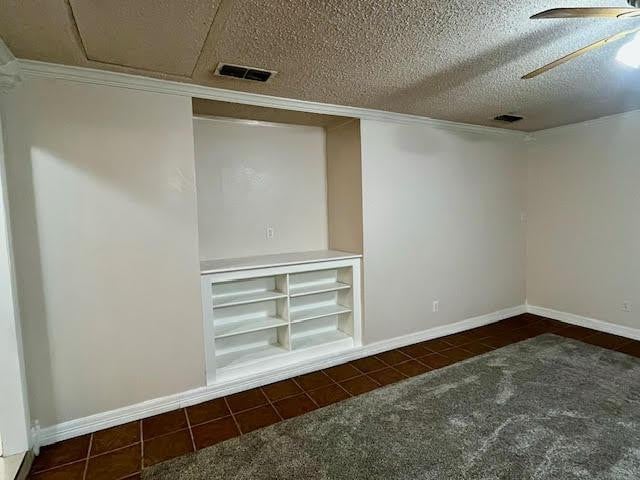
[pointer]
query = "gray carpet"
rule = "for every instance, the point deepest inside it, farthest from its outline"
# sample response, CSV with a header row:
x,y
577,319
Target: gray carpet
x,y
546,408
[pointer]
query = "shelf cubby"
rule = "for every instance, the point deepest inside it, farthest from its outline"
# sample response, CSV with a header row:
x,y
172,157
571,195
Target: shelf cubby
x,y
242,349
318,305
320,281
316,332
249,317
253,290
252,325
318,312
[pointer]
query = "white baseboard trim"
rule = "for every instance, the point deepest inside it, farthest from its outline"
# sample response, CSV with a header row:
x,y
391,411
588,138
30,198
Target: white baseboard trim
x,y
573,319
92,423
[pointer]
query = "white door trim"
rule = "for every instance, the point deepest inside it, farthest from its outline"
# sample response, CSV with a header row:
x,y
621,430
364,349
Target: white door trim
x,y
14,410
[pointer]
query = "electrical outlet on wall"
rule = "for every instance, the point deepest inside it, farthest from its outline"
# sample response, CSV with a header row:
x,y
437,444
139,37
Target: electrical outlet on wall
x,y
270,233
626,306
436,305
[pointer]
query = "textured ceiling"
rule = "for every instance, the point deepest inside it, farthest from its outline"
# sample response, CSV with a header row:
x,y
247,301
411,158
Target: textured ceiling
x,y
160,35
457,60
264,114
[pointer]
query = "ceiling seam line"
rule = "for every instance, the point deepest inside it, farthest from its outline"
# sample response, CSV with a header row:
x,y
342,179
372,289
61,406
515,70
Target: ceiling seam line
x,y
76,29
206,38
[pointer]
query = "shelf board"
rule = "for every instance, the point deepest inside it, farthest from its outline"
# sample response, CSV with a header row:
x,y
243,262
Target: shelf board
x,y
241,357
278,260
321,338
221,301
317,288
317,312
247,325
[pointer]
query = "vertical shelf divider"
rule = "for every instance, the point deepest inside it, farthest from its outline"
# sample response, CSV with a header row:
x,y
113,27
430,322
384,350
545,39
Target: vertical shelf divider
x,y
288,317
206,286
285,314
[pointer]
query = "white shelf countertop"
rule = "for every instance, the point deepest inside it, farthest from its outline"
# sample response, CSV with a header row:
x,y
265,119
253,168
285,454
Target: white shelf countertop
x,y
264,261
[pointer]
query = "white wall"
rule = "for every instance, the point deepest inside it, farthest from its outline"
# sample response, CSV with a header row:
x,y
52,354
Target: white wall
x,y
584,219
442,220
103,208
254,175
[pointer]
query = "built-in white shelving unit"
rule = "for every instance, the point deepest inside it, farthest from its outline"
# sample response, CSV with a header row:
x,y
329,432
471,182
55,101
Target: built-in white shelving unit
x,y
262,313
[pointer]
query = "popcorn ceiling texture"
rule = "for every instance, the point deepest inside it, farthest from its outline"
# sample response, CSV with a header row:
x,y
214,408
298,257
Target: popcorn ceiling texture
x,y
137,40
457,60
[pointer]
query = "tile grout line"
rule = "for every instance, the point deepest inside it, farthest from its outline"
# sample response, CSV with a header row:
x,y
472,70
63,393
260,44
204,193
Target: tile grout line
x,y
293,379
86,465
343,389
333,382
388,365
157,436
340,386
272,406
366,374
118,449
141,445
233,417
66,464
305,393
193,442
345,379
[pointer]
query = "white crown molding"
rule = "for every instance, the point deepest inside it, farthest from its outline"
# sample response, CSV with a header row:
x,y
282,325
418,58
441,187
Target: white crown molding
x,y
244,121
9,69
92,423
32,68
592,323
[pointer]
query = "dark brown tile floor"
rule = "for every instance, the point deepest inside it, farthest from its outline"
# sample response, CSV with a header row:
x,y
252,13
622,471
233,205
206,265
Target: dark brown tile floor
x,y
122,452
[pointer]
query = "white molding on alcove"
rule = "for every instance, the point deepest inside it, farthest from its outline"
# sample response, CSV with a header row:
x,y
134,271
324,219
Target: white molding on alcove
x,y
9,69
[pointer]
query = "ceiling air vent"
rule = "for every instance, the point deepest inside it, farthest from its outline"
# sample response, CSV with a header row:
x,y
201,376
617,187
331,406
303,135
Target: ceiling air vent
x,y
508,118
243,72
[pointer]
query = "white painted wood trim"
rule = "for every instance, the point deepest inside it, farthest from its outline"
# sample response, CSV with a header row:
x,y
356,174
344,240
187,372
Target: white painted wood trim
x,y
579,320
92,423
32,68
253,123
245,273
215,267
14,406
9,69
209,334
356,288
